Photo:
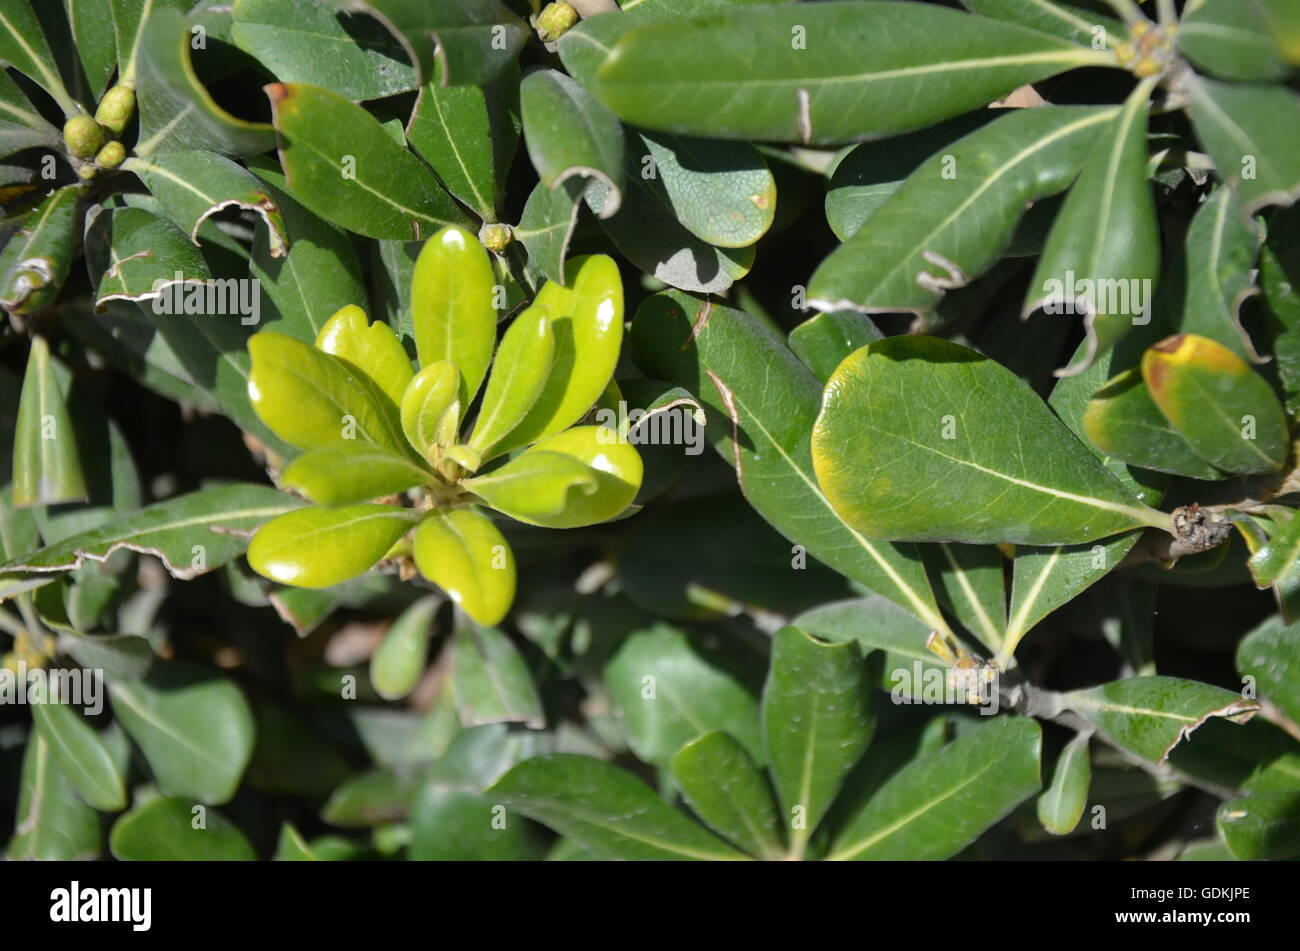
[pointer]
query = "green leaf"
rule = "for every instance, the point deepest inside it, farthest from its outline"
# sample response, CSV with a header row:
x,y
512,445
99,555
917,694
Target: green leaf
x,y
1149,716
313,399
192,533
968,582
817,723
546,226
452,315
761,403
35,261
1222,247
144,255
1284,23
24,47
1274,562
578,477
1224,410
822,341
342,165
918,411
646,230
429,407
953,217
1059,19
569,132
520,371
826,74
491,681
1102,256
192,186
1271,655
669,689
398,662
938,804
607,811
21,126
876,624
164,830
318,547
1262,827
371,348
52,822
194,728
586,318
119,656
292,847
176,110
1061,805
46,462
350,472
1124,423
1253,134
464,553
1230,40
81,755
303,41
741,808
368,799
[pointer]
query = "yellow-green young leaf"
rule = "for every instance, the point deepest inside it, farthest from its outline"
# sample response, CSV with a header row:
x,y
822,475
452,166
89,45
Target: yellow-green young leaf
x,y
396,666
921,439
47,465
1225,410
463,553
352,471
587,321
371,348
1061,805
578,477
452,312
430,409
312,399
318,547
523,363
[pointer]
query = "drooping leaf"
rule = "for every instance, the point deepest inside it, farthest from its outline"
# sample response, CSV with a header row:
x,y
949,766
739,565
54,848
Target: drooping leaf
x,y
464,553
938,804
1149,716
669,689
194,728
605,810
827,74
741,809
491,680
342,165
1061,805
35,262
318,547
1253,134
918,411
761,403
164,830
1224,410
817,723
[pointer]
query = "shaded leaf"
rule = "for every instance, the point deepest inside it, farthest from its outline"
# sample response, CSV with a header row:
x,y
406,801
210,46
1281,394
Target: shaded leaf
x,y
491,681
163,830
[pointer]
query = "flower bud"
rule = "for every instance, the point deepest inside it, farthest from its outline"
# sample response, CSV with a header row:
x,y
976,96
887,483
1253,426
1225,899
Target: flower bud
x,y
115,109
495,237
556,19
111,155
83,136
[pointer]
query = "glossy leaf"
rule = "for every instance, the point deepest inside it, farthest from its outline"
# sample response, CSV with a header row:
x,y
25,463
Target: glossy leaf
x,y
851,70
191,534
1264,826
607,811
1224,410
302,41
953,216
163,830
761,404
1102,256
546,226
52,822
1222,247
464,553
23,45
371,348
569,132
452,314
822,341
35,262
581,476
1149,716
81,755
342,165
877,624
817,723
1253,134
1271,655
968,582
1061,805
194,728
313,399
348,472
1065,20
145,254
429,407
938,804
46,462
1274,563
1230,40
318,547
741,809
910,411
492,682
669,689
523,362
